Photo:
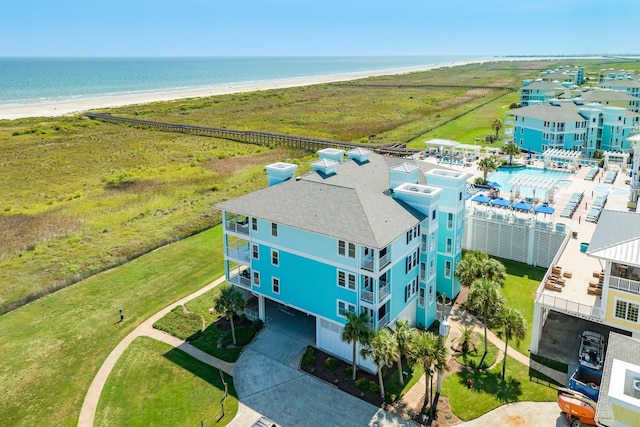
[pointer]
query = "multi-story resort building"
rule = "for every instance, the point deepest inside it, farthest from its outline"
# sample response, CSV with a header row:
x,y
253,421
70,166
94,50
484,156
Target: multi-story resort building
x,y
567,74
535,92
610,74
571,125
369,234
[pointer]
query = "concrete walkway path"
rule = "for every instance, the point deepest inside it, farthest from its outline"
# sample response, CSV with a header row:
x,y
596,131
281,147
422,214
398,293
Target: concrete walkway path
x,y
88,411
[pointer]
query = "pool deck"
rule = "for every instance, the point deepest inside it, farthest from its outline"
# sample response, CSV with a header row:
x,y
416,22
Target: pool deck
x,y
573,295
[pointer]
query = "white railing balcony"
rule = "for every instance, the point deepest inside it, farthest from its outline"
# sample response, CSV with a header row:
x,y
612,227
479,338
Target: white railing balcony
x,y
241,278
385,260
383,321
366,296
383,292
367,264
624,284
237,227
576,309
240,253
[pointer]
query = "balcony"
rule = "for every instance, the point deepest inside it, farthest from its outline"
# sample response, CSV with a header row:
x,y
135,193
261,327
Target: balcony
x,y
624,284
584,311
383,291
367,263
385,260
366,296
240,276
238,250
238,225
383,321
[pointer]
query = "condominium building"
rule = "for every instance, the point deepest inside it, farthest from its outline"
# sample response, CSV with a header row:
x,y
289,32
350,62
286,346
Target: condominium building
x,y
368,233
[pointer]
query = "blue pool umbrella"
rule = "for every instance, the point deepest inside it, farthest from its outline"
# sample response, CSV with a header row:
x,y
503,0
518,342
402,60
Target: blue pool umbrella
x,y
500,201
544,208
468,196
494,184
522,205
481,198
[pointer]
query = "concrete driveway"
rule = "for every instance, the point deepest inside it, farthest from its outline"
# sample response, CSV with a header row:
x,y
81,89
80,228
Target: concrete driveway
x,y
269,383
522,414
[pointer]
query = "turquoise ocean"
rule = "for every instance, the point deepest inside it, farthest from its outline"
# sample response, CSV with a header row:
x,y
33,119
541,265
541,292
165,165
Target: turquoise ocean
x,y
32,81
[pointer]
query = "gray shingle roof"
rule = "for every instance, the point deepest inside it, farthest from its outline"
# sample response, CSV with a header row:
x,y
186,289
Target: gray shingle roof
x,y
564,112
606,95
350,205
620,83
544,85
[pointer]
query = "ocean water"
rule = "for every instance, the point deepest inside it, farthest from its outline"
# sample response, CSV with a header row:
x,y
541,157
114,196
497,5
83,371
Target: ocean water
x,y
31,81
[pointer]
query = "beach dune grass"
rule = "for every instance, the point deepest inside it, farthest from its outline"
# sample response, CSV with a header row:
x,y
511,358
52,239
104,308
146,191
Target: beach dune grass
x,y
155,384
52,348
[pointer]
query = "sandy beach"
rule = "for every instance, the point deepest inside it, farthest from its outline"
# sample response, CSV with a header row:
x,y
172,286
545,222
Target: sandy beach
x,y
79,106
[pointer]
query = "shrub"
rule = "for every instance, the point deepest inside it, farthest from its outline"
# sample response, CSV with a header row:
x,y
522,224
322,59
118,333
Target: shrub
x,y
257,324
362,384
332,363
309,356
348,370
390,398
373,387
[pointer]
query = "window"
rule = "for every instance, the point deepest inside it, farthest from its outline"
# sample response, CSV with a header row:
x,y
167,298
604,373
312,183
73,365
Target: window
x,y
413,233
449,245
411,289
433,214
274,229
254,224
275,257
347,280
411,261
352,250
341,248
255,252
432,267
421,298
256,278
460,196
447,269
431,295
345,308
450,221
432,241
626,310
275,285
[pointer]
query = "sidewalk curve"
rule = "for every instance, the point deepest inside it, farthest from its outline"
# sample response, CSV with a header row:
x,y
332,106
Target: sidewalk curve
x,y
90,404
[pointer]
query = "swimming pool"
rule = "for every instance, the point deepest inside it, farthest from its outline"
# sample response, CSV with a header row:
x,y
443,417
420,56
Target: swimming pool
x,y
503,177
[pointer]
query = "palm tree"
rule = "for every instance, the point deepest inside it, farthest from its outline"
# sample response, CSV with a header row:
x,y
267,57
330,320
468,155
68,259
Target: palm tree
x,y
496,126
229,302
427,349
356,331
403,338
486,165
513,326
493,270
485,298
383,350
466,338
469,269
511,149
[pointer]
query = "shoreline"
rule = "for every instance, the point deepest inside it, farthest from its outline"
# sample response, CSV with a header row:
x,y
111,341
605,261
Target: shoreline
x,y
73,107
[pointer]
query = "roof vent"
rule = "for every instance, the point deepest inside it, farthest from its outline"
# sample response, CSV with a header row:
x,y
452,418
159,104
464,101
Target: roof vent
x,y
325,166
360,155
331,154
280,172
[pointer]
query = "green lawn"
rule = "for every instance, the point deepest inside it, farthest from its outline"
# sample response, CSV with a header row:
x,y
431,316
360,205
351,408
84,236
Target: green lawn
x,y
489,391
472,358
154,384
52,348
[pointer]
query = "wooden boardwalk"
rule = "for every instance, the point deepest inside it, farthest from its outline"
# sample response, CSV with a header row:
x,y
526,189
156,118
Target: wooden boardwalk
x,y
257,137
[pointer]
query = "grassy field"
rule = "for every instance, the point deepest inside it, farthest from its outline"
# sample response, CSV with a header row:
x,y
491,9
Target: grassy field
x,y
52,348
489,391
155,385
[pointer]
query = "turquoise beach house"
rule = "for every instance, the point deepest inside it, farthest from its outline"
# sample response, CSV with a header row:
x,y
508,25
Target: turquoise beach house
x,y
365,233
571,125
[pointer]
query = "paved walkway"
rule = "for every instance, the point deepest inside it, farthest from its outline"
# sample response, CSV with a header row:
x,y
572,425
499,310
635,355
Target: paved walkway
x,y
88,411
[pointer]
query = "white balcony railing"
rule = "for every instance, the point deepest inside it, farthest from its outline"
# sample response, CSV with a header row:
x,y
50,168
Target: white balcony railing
x,y
241,252
385,260
382,322
383,292
576,309
367,264
624,284
366,296
238,227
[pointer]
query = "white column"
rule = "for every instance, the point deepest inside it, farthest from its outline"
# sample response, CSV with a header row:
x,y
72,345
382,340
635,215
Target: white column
x,y
536,328
261,309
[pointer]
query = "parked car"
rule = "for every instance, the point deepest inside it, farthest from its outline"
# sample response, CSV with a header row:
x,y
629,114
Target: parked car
x,y
591,352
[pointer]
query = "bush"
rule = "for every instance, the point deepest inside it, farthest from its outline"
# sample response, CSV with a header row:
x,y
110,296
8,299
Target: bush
x,y
257,324
348,370
244,335
390,398
362,384
309,356
332,363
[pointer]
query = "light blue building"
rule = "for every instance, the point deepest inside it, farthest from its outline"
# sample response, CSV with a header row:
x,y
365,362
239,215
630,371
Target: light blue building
x,y
571,125
368,233
535,92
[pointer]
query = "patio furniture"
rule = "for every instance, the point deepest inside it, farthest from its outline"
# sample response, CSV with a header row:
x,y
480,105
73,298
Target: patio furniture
x,y
567,274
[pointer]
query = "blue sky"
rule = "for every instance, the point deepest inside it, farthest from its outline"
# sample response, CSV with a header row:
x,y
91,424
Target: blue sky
x,y
318,27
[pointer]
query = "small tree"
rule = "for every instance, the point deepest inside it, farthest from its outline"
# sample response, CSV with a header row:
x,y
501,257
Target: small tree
x,y
427,349
486,165
355,331
469,269
497,126
493,270
513,326
229,302
466,338
485,298
383,350
512,150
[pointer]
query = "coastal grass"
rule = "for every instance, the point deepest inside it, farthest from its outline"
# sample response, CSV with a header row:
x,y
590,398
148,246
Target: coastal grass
x,y
489,390
155,384
52,348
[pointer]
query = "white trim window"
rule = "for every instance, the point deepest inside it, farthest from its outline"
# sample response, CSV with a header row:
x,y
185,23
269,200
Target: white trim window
x,y
274,229
344,308
255,251
346,280
254,224
346,249
256,278
275,257
275,285
410,289
626,310
447,269
449,248
449,221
